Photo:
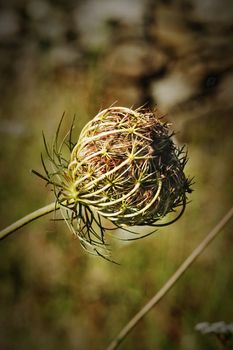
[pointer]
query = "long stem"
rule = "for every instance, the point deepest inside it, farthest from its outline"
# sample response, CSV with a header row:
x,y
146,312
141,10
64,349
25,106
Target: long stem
x,y
172,280
28,218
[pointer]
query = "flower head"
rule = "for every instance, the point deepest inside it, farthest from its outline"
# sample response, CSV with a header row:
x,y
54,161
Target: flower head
x,y
126,168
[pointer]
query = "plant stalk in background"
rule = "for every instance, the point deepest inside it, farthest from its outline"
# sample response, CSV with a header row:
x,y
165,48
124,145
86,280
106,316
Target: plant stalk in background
x,y
171,281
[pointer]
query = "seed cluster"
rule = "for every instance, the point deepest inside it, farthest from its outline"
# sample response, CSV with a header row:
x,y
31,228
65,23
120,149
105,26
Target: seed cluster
x,y
125,167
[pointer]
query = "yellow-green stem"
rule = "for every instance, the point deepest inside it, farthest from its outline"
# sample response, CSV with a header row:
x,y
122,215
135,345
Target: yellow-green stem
x,y
28,218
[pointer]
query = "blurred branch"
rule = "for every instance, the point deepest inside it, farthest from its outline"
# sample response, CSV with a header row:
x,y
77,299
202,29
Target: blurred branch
x,y
28,218
171,282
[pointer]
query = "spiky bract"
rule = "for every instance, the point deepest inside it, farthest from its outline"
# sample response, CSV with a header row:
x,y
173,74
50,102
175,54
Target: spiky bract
x,y
125,167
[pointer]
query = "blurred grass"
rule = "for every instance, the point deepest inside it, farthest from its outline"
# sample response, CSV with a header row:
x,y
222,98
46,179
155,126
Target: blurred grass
x,y
55,296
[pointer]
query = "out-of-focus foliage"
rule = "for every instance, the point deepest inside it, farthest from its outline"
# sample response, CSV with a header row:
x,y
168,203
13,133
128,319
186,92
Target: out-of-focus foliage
x,y
55,58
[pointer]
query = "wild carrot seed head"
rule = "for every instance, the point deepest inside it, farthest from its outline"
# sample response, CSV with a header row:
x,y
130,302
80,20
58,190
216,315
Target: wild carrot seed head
x,y
125,167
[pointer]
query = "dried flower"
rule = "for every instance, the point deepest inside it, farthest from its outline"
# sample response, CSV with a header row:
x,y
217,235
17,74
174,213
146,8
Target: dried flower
x,y
125,167
222,330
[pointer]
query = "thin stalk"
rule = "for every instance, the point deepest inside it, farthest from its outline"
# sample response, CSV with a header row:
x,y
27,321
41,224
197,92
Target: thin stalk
x,y
171,282
28,218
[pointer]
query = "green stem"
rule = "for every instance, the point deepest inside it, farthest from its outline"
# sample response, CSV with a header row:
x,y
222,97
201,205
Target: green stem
x,y
171,282
28,218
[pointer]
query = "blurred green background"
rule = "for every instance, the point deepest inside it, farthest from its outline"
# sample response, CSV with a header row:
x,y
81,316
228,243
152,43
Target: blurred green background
x,y
80,57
